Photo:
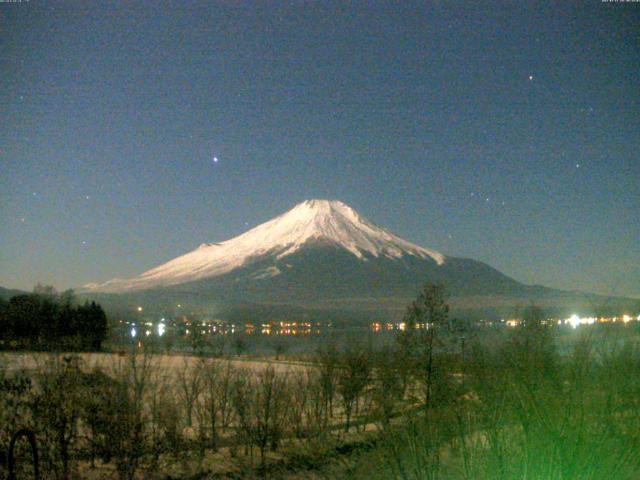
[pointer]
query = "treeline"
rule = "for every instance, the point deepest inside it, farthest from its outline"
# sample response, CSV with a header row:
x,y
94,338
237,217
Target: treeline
x,y
46,319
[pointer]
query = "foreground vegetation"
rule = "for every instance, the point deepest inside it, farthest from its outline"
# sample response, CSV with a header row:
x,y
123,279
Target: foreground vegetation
x,y
527,412
441,402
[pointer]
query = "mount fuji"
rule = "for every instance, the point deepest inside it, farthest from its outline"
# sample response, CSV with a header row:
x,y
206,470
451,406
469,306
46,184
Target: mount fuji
x,y
309,224
320,252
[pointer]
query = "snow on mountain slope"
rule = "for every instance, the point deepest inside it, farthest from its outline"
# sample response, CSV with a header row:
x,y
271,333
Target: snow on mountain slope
x,y
313,220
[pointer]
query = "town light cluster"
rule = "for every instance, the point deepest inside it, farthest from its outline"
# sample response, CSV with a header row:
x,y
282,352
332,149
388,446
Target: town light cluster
x,y
575,320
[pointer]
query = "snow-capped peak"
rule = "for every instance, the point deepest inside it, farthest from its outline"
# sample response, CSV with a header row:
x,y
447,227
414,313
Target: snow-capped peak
x,y
336,222
329,221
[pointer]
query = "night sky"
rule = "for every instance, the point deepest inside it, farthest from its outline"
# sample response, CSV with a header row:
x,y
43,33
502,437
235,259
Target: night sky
x,y
504,132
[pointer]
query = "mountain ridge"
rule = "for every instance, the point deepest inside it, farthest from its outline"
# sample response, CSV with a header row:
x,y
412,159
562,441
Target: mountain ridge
x,y
322,255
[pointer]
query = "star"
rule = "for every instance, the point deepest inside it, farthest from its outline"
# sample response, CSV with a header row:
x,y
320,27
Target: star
x,y
87,197
530,77
215,159
577,165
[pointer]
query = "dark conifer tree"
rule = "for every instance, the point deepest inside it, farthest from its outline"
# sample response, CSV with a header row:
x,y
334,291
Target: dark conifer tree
x,y
44,319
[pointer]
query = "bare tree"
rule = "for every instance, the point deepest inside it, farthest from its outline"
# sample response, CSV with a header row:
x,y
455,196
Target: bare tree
x,y
215,405
388,386
226,407
240,344
218,344
115,415
167,420
261,406
327,361
97,384
57,408
353,377
280,347
314,416
270,404
240,397
170,422
126,419
190,385
300,391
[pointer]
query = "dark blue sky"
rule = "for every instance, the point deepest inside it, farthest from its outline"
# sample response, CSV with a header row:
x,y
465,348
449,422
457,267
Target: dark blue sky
x,y
505,132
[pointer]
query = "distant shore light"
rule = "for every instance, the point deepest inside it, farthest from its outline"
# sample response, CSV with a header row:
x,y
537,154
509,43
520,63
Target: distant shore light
x,y
574,320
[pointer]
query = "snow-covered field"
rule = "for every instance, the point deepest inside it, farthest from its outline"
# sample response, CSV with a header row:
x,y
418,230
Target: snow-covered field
x,y
13,361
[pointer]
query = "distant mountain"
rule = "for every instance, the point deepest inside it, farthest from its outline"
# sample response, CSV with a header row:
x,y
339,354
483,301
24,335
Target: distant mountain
x,y
7,293
309,225
323,253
